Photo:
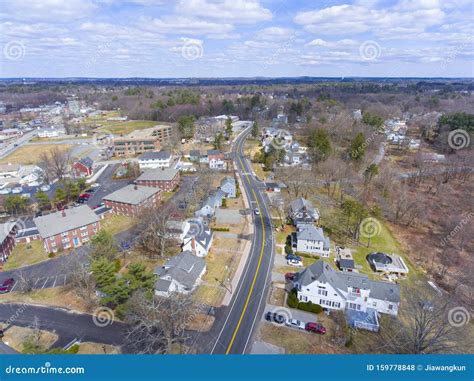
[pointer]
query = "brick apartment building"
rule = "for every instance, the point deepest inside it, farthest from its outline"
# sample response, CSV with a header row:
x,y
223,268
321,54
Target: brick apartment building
x,y
7,240
141,141
67,228
132,199
167,179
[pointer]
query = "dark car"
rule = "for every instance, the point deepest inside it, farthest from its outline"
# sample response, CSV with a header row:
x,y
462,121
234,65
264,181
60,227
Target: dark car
x,y
274,317
7,285
315,327
290,276
90,191
81,200
293,256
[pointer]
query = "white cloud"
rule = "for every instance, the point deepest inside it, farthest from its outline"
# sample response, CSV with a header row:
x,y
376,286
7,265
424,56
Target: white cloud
x,y
235,11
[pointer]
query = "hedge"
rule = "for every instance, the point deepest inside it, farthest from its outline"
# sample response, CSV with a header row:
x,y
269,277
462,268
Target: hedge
x,y
293,302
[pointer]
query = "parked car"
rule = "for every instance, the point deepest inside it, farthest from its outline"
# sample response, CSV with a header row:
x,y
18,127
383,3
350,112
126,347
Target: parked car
x,y
17,190
293,256
316,328
81,201
7,285
86,196
95,185
294,262
5,191
90,191
274,317
295,323
26,195
45,187
290,276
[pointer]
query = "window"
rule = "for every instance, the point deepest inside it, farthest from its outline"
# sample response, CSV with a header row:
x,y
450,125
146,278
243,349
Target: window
x,y
323,292
64,234
83,228
390,307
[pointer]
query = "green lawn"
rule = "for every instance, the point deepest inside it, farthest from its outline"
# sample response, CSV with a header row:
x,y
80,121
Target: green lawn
x,y
25,254
115,224
126,127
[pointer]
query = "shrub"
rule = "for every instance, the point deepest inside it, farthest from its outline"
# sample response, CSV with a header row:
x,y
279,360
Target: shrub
x,y
288,249
51,255
310,307
293,300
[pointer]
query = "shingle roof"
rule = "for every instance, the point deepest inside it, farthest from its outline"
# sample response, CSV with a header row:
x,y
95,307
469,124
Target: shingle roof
x,y
63,221
87,161
158,174
204,237
228,180
5,230
185,268
323,272
132,194
160,155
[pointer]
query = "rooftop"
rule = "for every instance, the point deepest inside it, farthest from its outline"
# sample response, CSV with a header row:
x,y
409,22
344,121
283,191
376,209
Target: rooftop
x,y
65,220
144,133
185,268
158,174
155,155
132,194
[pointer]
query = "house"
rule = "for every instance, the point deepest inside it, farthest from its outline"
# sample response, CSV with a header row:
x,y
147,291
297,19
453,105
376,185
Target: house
x,y
67,228
10,170
194,155
310,239
216,159
207,209
153,159
335,290
51,132
8,232
181,274
131,200
83,167
391,264
166,179
199,243
274,187
344,260
301,210
229,186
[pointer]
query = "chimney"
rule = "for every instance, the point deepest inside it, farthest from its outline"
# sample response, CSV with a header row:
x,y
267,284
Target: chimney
x,y
63,213
135,187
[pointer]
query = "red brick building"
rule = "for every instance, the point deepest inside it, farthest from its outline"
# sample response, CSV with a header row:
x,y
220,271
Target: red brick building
x,y
7,240
167,179
132,199
83,167
144,140
67,228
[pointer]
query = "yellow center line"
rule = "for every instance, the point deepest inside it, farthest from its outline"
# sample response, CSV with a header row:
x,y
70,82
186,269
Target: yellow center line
x,y
256,271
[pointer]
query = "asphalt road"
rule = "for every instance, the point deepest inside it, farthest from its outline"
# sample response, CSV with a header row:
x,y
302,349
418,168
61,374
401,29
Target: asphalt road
x,y
66,324
235,329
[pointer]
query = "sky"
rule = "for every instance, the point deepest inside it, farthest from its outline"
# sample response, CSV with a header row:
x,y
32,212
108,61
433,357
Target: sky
x,y
236,38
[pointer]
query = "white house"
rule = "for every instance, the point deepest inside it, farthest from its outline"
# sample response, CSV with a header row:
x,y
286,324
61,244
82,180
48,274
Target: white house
x,y
335,290
301,210
51,132
199,243
181,274
310,239
229,187
160,159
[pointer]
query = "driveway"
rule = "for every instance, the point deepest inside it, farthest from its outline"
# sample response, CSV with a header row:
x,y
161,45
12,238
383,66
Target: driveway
x,y
291,313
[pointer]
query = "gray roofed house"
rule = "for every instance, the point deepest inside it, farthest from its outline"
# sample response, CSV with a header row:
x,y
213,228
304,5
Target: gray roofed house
x,y
132,194
301,210
158,174
87,161
311,239
155,159
332,289
199,243
181,273
229,186
65,220
6,230
150,155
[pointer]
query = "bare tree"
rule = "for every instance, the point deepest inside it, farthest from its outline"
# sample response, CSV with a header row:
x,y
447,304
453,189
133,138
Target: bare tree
x,y
56,163
81,280
157,324
25,283
154,227
423,327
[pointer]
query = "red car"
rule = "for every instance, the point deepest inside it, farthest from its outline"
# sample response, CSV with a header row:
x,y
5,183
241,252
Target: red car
x,y
7,285
290,276
315,327
86,196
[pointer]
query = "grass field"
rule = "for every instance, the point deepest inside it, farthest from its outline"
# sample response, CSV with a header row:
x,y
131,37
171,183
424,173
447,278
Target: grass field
x,y
120,128
25,254
30,154
115,224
